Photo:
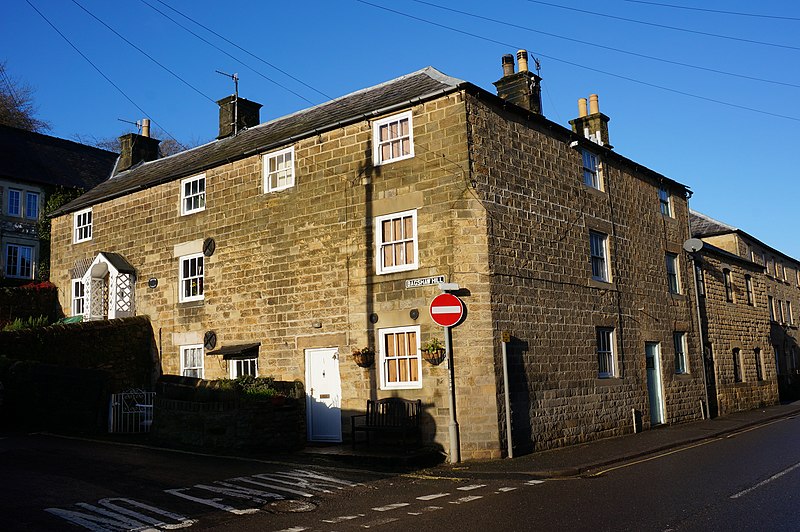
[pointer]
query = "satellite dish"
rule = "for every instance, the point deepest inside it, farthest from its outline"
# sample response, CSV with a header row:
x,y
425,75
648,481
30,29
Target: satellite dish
x,y
693,245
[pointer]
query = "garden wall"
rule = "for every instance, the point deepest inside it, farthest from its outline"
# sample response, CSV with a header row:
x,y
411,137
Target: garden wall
x,y
195,413
124,348
32,300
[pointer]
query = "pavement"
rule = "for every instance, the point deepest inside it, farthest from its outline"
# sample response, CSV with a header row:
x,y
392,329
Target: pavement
x,y
563,462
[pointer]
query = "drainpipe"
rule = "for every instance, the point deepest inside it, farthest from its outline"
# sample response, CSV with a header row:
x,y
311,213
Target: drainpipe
x,y
693,265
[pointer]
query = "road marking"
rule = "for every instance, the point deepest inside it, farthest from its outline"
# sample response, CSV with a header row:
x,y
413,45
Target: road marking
x,y
503,490
426,509
122,514
380,522
294,529
764,482
649,458
467,499
534,482
431,497
388,507
342,518
472,487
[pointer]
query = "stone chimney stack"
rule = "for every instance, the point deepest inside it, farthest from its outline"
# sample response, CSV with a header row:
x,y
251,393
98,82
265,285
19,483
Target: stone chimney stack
x,y
135,148
523,88
592,124
236,114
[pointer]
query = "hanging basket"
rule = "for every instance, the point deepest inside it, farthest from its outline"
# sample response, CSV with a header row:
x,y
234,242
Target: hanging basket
x,y
433,357
364,358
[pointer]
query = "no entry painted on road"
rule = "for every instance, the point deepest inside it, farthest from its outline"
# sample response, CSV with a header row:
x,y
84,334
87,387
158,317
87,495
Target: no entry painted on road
x,y
447,310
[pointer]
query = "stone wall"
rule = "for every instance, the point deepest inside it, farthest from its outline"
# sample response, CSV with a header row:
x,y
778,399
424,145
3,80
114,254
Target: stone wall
x,y
737,324
192,413
539,216
123,348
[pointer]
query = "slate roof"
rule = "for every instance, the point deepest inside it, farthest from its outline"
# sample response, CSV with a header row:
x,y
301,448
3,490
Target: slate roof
x,y
373,101
30,157
703,225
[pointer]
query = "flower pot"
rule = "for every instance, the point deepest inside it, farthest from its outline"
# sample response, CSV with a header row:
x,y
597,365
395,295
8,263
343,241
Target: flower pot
x,y
364,359
433,356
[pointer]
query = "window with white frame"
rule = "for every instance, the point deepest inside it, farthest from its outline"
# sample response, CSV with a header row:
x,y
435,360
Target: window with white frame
x,y
191,277
14,206
598,251
673,279
192,361
400,359
396,242
243,366
681,358
606,366
664,201
701,280
392,139
83,226
591,169
737,365
78,297
19,261
279,170
32,205
748,287
193,194
728,282
759,364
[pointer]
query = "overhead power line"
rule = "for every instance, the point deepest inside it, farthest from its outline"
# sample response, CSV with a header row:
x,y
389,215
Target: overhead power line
x,y
150,57
675,28
719,11
144,113
619,50
285,73
578,65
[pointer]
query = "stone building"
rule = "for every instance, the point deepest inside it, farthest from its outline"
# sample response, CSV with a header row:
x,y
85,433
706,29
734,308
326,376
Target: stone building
x,y
780,276
281,247
32,166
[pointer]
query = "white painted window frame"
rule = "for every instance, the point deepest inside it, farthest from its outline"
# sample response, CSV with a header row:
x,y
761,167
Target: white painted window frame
x,y
675,274
380,268
681,353
83,221
78,300
17,264
377,143
18,194
198,196
235,364
188,278
665,201
606,354
185,367
599,256
35,196
591,169
288,176
382,361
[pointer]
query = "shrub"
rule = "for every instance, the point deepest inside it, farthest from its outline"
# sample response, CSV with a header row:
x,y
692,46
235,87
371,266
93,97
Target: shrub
x,y
31,323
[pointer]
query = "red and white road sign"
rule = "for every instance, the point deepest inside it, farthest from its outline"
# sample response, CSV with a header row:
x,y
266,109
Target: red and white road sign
x,y
447,310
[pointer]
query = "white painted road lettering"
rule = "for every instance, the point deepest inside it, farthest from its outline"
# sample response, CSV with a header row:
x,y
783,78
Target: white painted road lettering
x,y
114,514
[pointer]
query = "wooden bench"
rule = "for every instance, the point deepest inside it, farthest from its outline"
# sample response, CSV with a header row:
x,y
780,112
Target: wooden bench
x,y
390,415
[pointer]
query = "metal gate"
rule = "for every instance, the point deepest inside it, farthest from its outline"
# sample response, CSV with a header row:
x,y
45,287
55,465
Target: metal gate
x,y
131,411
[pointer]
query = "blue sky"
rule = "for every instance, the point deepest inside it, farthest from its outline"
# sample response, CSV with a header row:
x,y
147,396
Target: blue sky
x,y
666,116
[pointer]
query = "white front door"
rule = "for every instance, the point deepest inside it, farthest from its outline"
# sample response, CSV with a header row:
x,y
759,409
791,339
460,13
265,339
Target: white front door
x,y
323,395
654,390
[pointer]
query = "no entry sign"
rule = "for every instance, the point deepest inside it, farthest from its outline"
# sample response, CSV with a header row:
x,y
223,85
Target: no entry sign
x,y
447,310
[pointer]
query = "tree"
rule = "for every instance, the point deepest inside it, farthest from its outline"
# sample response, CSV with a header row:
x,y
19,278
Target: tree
x,y
168,146
17,108
56,198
